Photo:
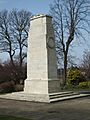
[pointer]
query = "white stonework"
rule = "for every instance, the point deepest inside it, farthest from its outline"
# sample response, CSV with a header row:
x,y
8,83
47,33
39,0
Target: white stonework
x,y
41,62
41,57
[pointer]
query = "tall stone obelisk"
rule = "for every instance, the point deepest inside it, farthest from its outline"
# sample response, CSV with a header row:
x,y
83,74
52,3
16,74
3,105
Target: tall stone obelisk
x,y
41,59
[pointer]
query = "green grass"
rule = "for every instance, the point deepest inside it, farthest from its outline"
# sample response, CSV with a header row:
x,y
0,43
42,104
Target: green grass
x,y
76,89
73,88
2,117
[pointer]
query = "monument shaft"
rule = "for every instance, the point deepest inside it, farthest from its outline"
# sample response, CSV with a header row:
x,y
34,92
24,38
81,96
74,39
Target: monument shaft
x,y
41,57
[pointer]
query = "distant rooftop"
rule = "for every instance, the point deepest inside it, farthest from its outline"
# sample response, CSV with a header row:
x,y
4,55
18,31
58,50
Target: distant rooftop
x,y
39,16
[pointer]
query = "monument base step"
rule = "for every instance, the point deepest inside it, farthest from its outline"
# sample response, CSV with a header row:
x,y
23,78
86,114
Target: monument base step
x,y
48,98
65,96
27,97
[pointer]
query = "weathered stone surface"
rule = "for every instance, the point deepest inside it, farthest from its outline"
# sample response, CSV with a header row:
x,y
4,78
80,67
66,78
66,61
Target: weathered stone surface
x,y
41,61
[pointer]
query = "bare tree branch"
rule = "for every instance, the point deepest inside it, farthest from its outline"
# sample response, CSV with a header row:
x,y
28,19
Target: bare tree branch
x,y
70,19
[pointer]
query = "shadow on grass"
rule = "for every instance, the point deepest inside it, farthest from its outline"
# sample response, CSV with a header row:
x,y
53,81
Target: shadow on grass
x,y
2,117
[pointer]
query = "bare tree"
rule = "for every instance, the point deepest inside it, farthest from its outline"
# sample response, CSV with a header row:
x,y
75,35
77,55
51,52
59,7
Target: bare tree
x,y
70,19
14,27
6,39
20,23
85,66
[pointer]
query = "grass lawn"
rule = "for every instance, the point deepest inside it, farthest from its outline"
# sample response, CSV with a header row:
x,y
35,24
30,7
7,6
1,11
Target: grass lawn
x,y
11,118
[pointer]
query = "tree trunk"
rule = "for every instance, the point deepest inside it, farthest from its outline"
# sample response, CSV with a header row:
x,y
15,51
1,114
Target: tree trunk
x,y
21,62
65,69
11,56
20,55
11,59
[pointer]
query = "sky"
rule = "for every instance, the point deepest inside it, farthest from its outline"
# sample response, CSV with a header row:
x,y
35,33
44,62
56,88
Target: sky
x,y
35,6
39,7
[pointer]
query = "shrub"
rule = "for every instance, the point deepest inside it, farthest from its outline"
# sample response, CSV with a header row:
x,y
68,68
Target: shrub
x,y
75,77
7,87
19,87
83,85
89,84
4,76
69,86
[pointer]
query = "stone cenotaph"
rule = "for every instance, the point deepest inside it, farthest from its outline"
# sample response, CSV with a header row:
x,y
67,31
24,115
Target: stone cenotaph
x,y
41,59
42,78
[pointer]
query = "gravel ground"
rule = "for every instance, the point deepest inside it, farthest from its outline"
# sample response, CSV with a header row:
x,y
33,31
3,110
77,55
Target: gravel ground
x,y
77,109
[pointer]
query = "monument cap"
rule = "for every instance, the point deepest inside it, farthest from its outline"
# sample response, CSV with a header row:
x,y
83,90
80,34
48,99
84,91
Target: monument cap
x,y
40,16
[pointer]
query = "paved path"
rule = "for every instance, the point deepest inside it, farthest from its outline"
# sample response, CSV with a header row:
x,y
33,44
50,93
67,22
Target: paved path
x,y
77,109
